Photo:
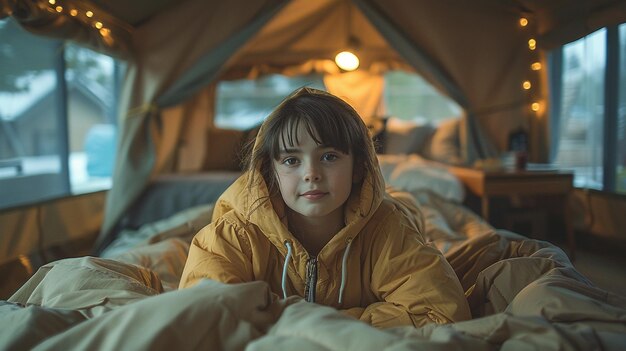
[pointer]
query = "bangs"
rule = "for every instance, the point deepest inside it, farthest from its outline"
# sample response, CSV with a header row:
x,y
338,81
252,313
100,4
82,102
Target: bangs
x,y
327,127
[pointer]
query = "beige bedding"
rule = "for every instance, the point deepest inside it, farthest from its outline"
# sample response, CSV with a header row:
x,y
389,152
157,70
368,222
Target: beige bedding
x,y
524,294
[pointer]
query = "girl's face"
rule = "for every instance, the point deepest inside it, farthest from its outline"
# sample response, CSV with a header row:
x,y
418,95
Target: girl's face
x,y
314,180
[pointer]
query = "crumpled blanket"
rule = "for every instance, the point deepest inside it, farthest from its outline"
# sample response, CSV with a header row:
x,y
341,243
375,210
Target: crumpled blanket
x,y
523,294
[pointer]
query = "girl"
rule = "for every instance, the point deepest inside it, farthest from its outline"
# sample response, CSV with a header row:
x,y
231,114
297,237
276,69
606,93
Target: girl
x,y
310,217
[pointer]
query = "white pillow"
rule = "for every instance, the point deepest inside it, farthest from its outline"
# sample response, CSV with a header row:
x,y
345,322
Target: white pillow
x,y
414,173
406,136
444,146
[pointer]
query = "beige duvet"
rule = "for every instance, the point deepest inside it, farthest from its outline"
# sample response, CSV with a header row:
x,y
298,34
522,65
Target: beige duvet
x,y
524,294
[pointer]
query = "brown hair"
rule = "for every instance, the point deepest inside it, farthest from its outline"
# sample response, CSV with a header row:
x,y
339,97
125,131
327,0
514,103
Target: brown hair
x,y
327,118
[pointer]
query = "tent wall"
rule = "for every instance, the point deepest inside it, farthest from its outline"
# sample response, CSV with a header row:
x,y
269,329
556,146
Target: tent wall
x,y
599,213
479,57
474,52
34,235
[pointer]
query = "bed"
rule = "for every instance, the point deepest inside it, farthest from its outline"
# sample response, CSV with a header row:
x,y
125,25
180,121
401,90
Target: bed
x,y
523,293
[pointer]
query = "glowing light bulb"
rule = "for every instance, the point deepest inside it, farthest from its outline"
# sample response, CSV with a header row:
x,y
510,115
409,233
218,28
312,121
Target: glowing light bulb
x,y
52,2
535,106
73,12
89,14
347,61
523,22
59,8
98,25
105,32
526,85
535,66
532,44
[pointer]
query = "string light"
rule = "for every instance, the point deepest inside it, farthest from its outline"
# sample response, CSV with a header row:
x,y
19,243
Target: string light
x,y
534,66
96,22
535,106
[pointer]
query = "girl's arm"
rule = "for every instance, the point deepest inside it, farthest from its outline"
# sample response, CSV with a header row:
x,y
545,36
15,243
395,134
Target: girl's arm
x,y
412,280
217,252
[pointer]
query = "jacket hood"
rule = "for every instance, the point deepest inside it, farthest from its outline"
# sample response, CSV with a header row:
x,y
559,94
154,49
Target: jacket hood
x,y
249,196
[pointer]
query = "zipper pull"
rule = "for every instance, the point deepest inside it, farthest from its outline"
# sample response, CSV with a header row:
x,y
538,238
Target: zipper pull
x,y
311,280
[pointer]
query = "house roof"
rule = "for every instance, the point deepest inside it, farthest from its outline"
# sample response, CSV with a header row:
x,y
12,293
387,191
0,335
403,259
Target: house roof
x,y
40,86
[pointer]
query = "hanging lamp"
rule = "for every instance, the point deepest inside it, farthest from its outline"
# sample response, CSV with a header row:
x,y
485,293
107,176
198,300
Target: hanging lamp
x,y
347,60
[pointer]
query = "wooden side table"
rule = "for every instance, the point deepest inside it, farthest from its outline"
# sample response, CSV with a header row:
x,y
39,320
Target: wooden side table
x,y
487,184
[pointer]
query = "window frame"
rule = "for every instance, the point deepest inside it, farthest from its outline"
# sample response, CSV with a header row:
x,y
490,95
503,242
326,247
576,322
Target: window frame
x,y
51,186
48,185
611,101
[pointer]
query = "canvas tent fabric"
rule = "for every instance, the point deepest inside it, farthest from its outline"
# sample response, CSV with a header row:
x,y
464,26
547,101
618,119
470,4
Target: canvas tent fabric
x,y
474,52
203,58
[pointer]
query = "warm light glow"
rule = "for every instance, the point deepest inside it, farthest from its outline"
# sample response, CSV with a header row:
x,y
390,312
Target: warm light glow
x,y
59,8
105,32
347,61
89,14
74,12
523,22
535,106
532,44
526,85
52,2
98,25
535,66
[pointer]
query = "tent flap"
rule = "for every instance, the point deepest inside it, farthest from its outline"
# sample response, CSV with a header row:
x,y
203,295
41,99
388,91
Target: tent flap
x,y
156,80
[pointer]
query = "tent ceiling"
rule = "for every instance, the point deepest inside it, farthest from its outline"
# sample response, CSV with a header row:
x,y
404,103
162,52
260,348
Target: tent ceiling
x,y
324,29
560,21
317,30
134,12
557,22
563,21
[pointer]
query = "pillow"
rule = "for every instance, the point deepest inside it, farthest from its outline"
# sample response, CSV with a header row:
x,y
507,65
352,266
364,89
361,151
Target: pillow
x,y
413,173
444,146
406,136
225,148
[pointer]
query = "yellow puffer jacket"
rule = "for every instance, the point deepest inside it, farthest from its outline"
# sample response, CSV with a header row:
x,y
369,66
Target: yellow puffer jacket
x,y
377,268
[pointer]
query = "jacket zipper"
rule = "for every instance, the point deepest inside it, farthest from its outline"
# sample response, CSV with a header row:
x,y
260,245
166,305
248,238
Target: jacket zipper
x,y
311,279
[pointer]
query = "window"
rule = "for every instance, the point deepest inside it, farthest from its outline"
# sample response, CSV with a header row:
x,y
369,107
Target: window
x,y
242,104
52,96
408,96
582,109
92,79
31,163
589,119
